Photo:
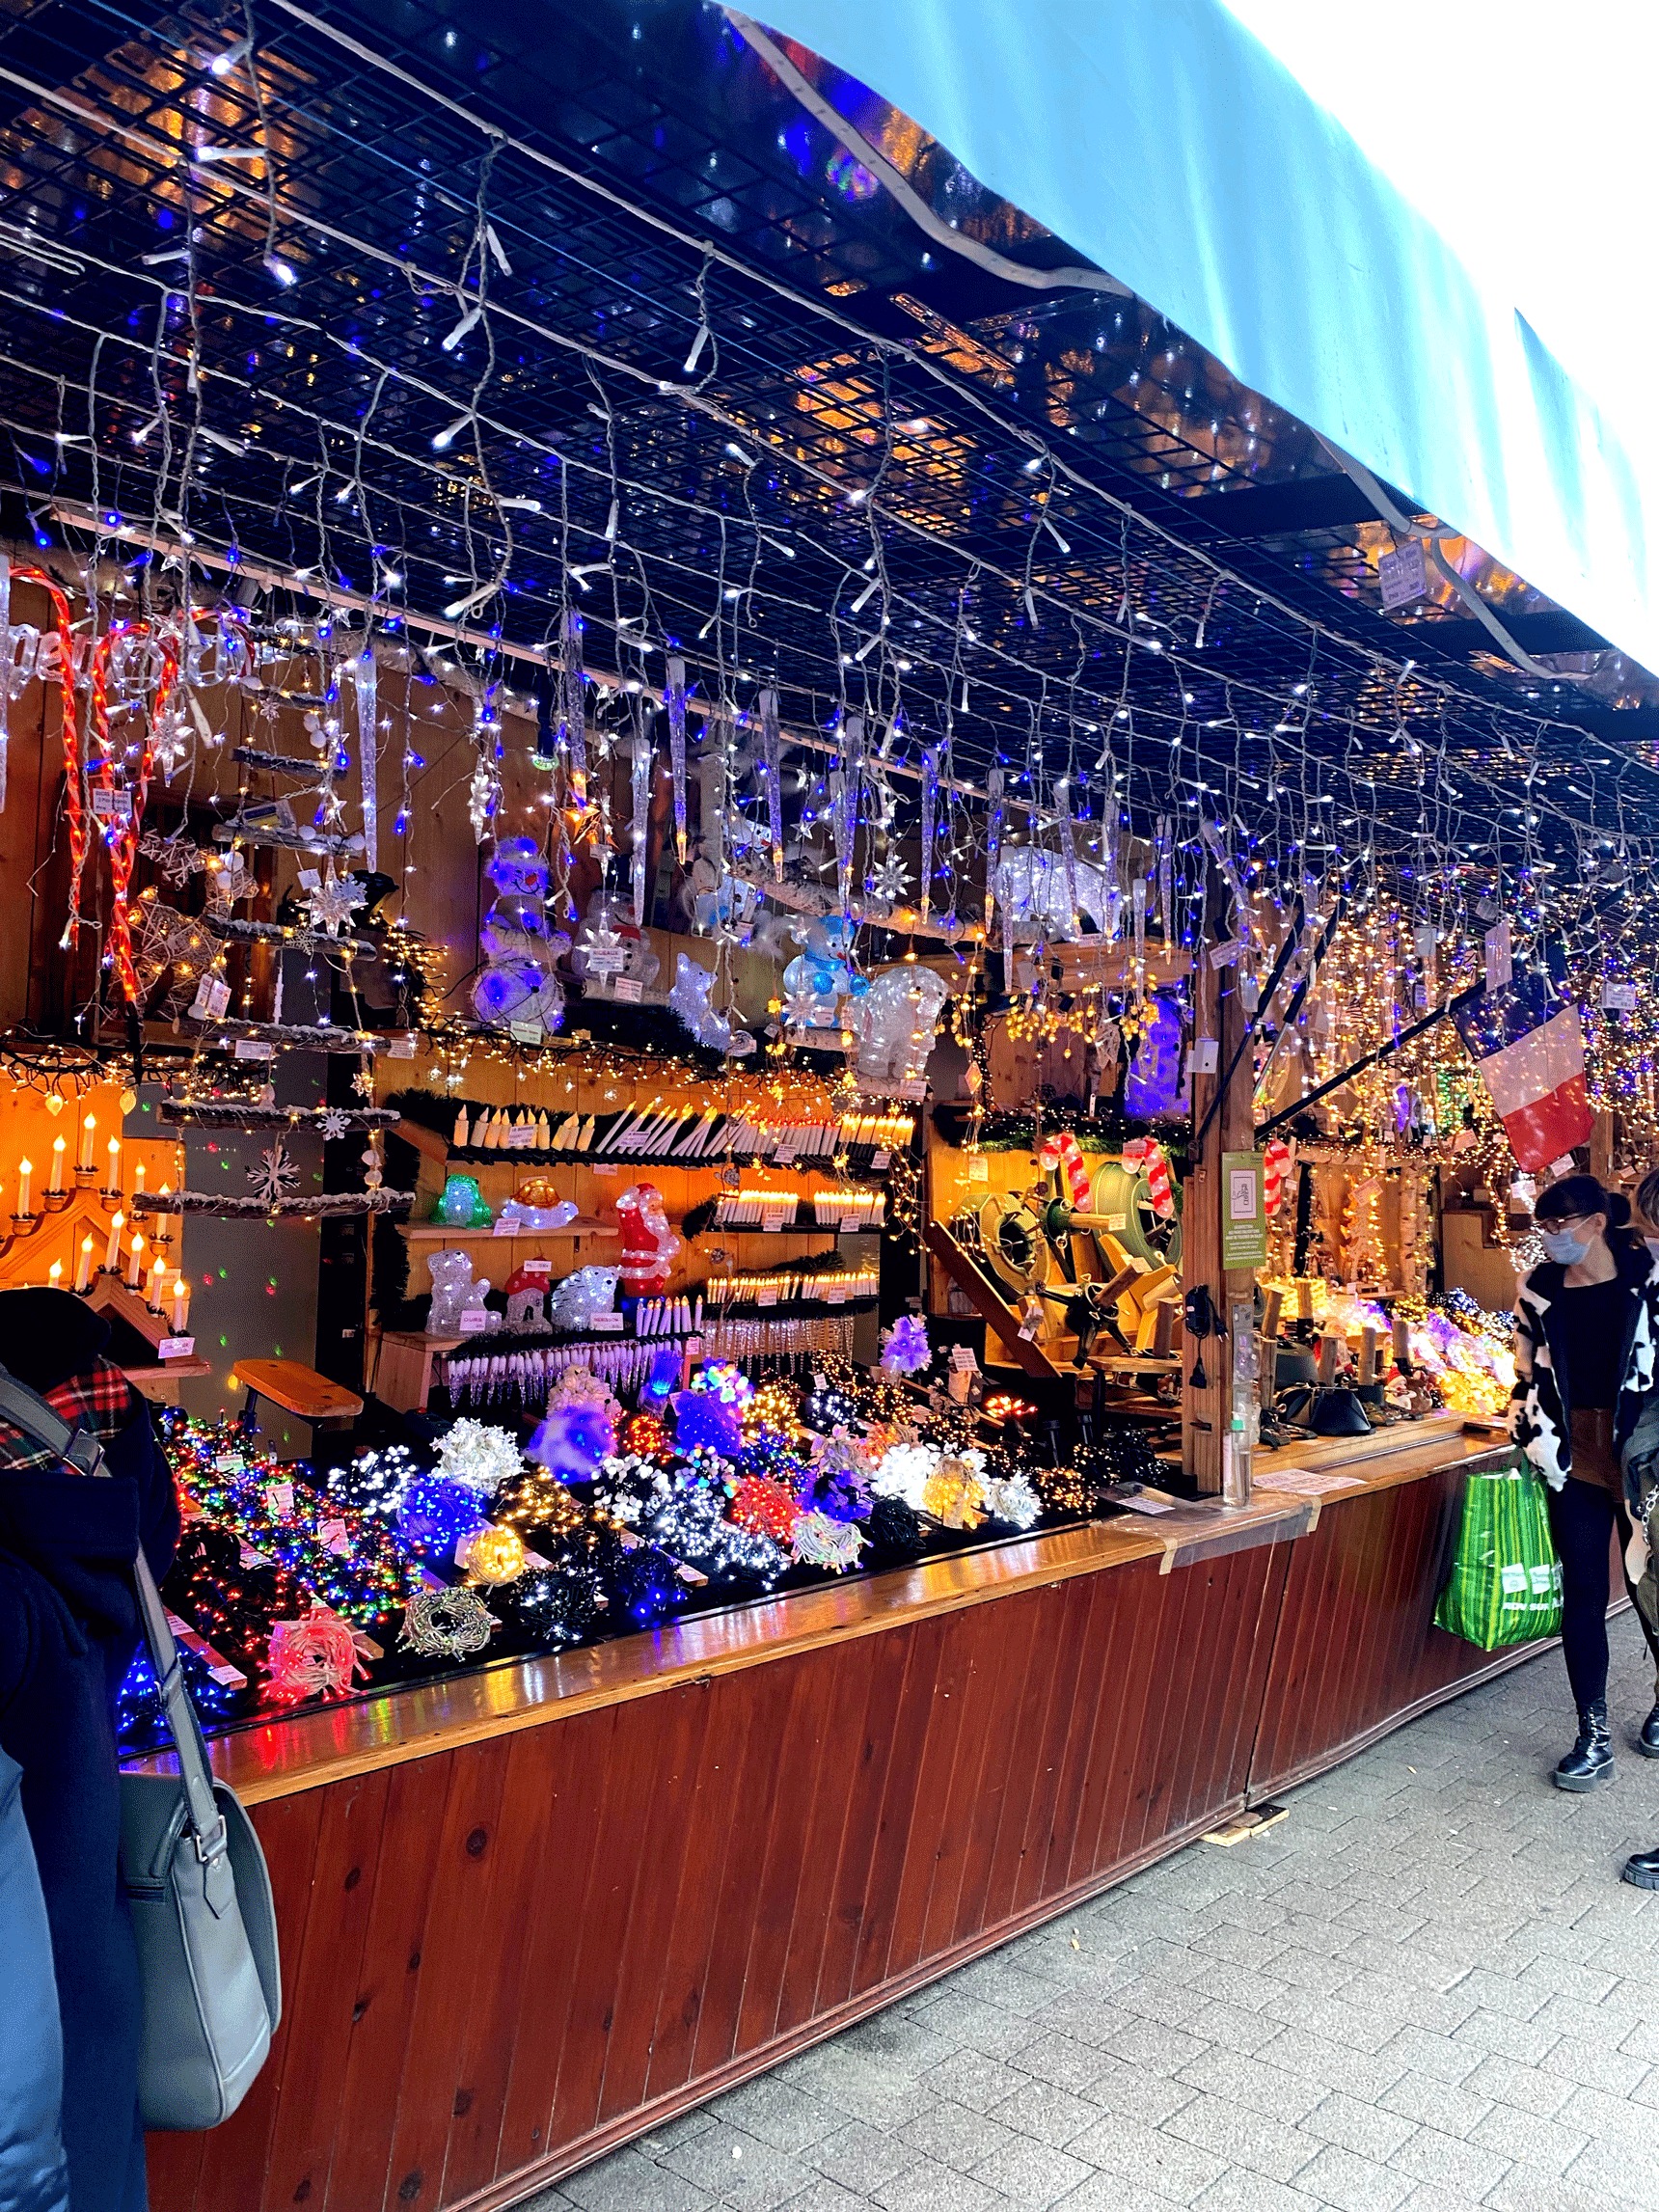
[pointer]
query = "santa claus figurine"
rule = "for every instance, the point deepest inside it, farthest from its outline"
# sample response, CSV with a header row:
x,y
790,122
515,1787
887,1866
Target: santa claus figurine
x,y
648,1243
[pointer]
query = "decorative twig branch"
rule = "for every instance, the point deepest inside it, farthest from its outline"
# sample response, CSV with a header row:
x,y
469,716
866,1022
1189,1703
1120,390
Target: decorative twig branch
x,y
323,1201
210,1114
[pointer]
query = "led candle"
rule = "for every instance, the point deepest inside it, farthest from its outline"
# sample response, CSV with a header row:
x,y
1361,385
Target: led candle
x,y
137,1177
112,1181
24,1170
84,1265
55,1275
134,1262
57,1178
112,1251
157,1285
180,1303
84,1157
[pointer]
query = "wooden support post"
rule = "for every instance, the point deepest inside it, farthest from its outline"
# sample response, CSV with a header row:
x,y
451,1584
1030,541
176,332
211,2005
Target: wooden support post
x,y
1206,1414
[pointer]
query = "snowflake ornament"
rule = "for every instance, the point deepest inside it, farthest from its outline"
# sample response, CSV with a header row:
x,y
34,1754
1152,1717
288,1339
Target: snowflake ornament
x,y
334,1125
330,904
275,1177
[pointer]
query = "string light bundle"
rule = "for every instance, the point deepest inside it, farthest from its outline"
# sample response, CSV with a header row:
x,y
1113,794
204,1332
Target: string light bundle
x,y
139,1722
346,1559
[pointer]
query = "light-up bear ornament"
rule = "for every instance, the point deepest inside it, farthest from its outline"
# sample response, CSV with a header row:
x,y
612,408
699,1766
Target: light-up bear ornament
x,y
894,1024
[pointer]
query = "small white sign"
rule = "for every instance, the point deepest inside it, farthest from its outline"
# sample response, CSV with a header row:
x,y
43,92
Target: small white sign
x,y
333,1536
1241,1195
521,1137
628,990
778,1220
525,1033
211,999
835,1297
401,1045
1618,997
607,1323
279,1499
1499,957
767,1299
1404,574
877,1161
176,1348
252,1049
606,959
604,1167
112,805
1205,1055
474,1321
978,1168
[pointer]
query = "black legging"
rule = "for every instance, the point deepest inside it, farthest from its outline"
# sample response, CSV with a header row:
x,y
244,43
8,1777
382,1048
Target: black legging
x,y
1582,1516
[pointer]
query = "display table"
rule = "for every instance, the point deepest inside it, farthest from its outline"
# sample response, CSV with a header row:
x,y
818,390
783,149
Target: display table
x,y
533,1912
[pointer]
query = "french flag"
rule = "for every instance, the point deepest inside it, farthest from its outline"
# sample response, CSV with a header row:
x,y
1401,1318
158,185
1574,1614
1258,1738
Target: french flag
x,y
1531,1059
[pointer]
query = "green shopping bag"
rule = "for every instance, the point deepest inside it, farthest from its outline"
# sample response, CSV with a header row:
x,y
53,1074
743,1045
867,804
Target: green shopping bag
x,y
1506,1578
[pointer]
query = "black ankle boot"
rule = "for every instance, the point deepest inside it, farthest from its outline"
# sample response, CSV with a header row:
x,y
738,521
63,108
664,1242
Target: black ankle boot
x,y
1642,1869
1590,1760
1647,1742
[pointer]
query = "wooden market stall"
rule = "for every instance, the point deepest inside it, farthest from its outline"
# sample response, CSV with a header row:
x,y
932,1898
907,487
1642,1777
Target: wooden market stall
x,y
534,1912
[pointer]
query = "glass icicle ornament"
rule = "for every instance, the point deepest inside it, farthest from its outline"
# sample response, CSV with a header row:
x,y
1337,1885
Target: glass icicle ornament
x,y
368,690
674,699
772,777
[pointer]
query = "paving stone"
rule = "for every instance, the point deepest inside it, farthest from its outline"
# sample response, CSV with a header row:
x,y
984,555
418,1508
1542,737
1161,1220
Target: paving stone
x,y
929,2188
1031,2174
1431,2156
1372,2131
627,2182
775,2111
1150,2156
1045,2112
1550,2145
954,2135
1254,2085
737,2169
1342,2178
1442,2105
861,2158
1528,2088
1246,2192
1243,2138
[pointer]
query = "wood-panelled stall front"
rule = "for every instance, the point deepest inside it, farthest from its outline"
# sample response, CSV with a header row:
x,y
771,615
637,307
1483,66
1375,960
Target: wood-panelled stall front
x,y
527,1915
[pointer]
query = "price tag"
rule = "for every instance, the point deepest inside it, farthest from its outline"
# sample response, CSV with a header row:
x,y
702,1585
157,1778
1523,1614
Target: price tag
x,y
607,1323
212,999
628,990
978,1168
506,1228
880,1162
525,1033
835,1297
606,959
333,1536
400,1045
1499,957
521,1137
1618,997
176,1348
474,1321
605,1167
112,805
310,879
1403,574
767,1299
776,1221
279,1499
252,1049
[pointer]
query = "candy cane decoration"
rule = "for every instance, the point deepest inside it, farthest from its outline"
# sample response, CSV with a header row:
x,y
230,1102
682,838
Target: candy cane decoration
x,y
1275,1166
121,832
1147,1155
1063,1153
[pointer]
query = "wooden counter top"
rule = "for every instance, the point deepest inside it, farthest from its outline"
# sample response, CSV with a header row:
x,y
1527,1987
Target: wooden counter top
x,y
322,1744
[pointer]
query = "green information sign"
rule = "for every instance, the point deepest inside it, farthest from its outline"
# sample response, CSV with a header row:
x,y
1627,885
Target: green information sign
x,y
1243,1210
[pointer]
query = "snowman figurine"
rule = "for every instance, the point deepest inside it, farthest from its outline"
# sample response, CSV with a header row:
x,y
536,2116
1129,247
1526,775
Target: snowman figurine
x,y
517,982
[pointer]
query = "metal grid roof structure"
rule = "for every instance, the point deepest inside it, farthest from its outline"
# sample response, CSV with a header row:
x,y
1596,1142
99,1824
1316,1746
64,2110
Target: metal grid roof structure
x,y
484,312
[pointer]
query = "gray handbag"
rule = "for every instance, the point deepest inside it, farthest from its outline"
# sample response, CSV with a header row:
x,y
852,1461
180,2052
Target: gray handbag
x,y
194,1873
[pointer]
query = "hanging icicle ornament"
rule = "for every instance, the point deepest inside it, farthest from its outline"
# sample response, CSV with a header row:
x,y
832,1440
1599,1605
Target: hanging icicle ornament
x,y
1165,847
1110,874
674,699
366,687
573,712
1068,851
844,786
994,821
639,792
772,777
930,801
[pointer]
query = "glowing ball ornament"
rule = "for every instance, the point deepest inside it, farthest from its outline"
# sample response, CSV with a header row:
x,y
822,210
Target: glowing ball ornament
x,y
492,1553
478,1456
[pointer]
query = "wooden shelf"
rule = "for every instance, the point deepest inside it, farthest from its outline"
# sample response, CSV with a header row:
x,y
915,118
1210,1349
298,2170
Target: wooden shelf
x,y
436,1233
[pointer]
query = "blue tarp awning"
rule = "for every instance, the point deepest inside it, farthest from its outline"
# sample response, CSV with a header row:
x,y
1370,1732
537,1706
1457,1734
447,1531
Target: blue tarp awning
x,y
1434,244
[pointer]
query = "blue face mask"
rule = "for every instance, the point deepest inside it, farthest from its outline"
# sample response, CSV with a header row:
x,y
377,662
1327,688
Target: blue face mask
x,y
1564,1248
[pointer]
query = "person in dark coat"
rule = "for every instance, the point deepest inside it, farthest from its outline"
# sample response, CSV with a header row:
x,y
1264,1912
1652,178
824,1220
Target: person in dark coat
x,y
69,1629
33,2175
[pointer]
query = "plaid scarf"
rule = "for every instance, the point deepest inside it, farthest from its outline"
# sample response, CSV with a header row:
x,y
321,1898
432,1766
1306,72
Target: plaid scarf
x,y
101,1400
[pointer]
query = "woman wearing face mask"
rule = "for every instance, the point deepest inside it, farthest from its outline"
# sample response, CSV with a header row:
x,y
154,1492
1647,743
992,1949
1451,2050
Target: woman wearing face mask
x,y
1587,1332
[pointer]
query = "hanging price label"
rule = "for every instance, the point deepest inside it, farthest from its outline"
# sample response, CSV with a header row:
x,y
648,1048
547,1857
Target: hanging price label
x,y
1500,958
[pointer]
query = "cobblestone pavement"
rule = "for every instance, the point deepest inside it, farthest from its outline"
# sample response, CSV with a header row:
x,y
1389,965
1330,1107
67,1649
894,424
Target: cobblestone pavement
x,y
1426,1991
